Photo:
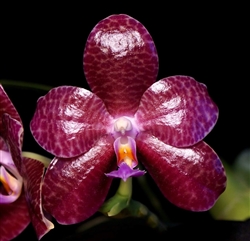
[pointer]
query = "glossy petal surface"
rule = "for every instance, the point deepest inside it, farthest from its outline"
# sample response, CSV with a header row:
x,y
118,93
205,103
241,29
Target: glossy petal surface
x,y
120,63
177,110
7,107
75,188
191,178
14,218
69,120
33,188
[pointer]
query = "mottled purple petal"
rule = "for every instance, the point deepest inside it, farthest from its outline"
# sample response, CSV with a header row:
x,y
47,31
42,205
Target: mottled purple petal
x,y
178,110
191,178
13,135
69,120
7,107
33,187
124,172
75,188
3,145
120,63
14,218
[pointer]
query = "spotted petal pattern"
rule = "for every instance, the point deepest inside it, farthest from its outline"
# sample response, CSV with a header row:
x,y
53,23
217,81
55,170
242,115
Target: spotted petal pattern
x,y
13,135
191,178
171,117
7,107
178,110
3,145
69,120
75,188
120,62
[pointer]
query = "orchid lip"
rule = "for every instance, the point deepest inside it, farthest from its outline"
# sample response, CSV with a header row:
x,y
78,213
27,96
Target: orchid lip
x,y
9,178
125,149
125,171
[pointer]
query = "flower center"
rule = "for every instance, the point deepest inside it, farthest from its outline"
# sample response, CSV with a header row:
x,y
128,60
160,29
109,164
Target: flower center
x,y
125,126
125,131
10,180
124,145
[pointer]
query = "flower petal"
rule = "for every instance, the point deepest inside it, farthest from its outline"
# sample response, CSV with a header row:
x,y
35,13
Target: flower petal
x,y
69,120
13,135
14,218
75,188
191,178
33,188
6,106
180,111
120,62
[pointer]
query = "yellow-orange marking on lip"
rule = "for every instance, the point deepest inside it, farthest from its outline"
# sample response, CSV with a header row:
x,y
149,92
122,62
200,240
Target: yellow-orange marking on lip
x,y
4,181
125,154
125,149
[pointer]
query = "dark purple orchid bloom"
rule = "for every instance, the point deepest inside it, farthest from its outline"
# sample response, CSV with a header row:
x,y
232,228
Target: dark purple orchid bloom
x,y
20,178
126,117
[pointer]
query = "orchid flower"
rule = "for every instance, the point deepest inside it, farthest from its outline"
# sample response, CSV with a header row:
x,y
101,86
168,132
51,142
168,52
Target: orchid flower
x,y
128,117
20,178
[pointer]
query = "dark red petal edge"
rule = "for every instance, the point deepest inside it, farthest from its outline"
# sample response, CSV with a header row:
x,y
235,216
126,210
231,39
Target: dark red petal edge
x,y
33,188
75,188
191,178
120,62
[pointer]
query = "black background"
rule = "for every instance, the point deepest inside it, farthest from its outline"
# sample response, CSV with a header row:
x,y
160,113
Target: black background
x,y
44,44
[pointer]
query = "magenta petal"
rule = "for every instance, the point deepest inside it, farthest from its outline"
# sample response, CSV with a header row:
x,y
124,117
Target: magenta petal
x,y
124,172
191,178
3,145
120,62
13,135
69,120
180,111
75,188
33,187
7,107
14,218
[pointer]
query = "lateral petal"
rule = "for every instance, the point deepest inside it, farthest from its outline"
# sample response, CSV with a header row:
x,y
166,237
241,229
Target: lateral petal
x,y
178,110
69,120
